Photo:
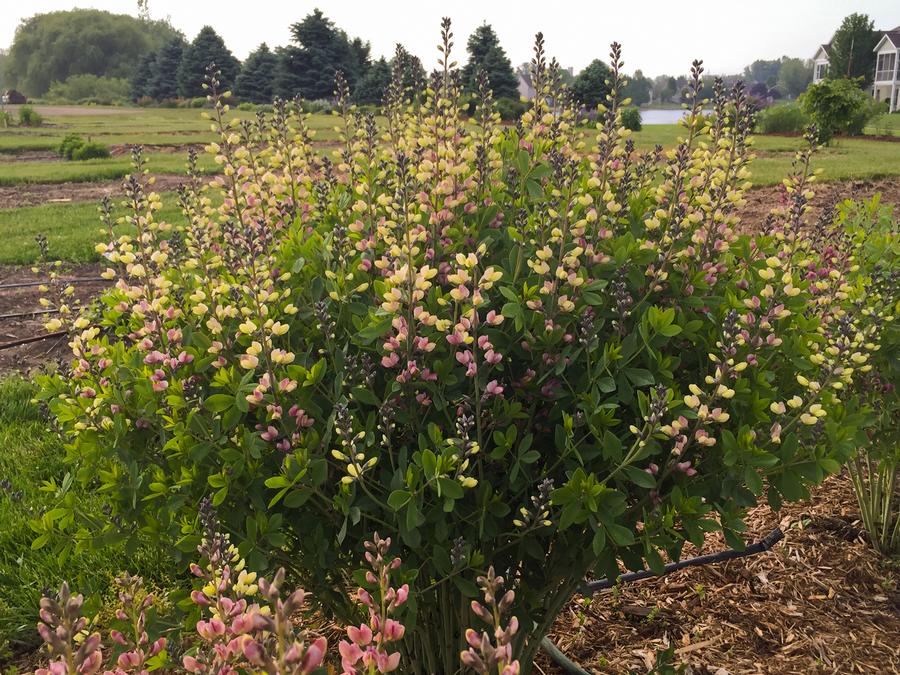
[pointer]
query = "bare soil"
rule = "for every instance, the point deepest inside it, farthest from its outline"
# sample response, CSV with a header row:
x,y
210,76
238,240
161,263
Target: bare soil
x,y
760,201
34,194
821,601
181,149
27,358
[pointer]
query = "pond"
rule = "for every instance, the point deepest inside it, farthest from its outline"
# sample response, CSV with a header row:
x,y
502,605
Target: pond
x,y
656,116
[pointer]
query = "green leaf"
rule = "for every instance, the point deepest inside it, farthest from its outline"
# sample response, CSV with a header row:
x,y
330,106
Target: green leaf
x,y
640,477
429,463
398,499
606,385
450,488
620,535
219,402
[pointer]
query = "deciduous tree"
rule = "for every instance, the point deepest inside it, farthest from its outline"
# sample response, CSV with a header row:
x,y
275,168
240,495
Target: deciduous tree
x,y
852,46
50,47
591,85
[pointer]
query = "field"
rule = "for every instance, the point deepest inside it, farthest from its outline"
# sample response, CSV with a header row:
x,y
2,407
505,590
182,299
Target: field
x,y
788,610
40,193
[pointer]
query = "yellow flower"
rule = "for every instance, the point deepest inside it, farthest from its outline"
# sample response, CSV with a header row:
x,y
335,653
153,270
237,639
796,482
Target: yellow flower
x,y
778,408
691,401
795,402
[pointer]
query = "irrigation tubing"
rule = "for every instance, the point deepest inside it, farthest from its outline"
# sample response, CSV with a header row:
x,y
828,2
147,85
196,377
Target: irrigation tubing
x,y
764,544
26,284
33,338
34,312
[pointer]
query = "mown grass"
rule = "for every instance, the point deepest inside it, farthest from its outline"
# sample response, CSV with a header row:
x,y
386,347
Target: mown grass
x,y
136,126
72,230
29,456
885,125
88,171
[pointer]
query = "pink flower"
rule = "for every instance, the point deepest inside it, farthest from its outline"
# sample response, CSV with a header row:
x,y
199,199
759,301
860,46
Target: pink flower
x,y
493,388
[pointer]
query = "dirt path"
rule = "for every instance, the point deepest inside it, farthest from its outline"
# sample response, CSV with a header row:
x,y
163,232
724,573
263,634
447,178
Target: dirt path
x,y
34,194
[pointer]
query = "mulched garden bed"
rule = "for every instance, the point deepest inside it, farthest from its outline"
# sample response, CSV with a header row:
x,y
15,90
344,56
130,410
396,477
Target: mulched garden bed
x,y
822,601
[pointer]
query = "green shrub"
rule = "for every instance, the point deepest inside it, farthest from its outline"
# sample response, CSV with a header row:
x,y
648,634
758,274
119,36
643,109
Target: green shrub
x,y
785,118
245,106
838,107
316,106
199,102
496,348
87,88
90,150
631,118
510,109
29,117
74,147
6,119
875,469
69,145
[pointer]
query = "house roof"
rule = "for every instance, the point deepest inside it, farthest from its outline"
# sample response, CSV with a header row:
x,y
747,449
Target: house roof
x,y
892,35
825,48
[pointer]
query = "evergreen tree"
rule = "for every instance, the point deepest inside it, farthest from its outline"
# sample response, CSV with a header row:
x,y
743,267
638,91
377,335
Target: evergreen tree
x,y
256,81
485,53
852,46
371,87
414,74
206,48
164,81
590,87
143,76
308,67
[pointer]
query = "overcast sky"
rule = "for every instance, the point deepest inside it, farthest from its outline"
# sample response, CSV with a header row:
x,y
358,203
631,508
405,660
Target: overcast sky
x,y
659,36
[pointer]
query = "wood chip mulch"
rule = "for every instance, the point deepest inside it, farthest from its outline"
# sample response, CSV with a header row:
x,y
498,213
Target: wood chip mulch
x,y
822,601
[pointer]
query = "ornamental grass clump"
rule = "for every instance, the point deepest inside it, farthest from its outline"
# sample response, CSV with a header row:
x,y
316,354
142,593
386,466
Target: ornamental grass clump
x,y
529,348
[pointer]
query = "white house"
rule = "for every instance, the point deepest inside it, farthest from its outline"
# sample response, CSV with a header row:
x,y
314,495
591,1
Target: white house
x,y
820,62
886,86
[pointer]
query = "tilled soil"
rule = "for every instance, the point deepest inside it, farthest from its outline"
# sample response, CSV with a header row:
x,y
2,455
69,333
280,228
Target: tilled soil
x,y
35,355
760,201
35,194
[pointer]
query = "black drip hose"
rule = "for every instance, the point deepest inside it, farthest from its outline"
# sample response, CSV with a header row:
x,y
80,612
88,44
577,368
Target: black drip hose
x,y
764,544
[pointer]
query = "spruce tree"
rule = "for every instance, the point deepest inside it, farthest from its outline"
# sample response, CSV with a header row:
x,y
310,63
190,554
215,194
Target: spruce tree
x,y
143,76
164,81
308,67
485,53
256,81
207,48
371,87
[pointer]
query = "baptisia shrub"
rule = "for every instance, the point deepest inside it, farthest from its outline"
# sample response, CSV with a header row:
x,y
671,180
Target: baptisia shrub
x,y
526,348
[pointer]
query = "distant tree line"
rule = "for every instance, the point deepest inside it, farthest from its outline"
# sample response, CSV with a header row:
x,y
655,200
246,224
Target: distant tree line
x,y
159,63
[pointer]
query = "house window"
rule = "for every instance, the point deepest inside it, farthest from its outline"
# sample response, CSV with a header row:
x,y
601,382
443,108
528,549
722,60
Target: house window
x,y
821,70
884,67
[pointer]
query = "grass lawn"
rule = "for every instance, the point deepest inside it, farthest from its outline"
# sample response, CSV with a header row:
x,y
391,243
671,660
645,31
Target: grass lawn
x,y
16,173
846,158
72,230
885,125
29,456
144,126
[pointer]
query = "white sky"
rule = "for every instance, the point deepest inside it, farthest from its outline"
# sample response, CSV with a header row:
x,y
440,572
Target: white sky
x,y
658,36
